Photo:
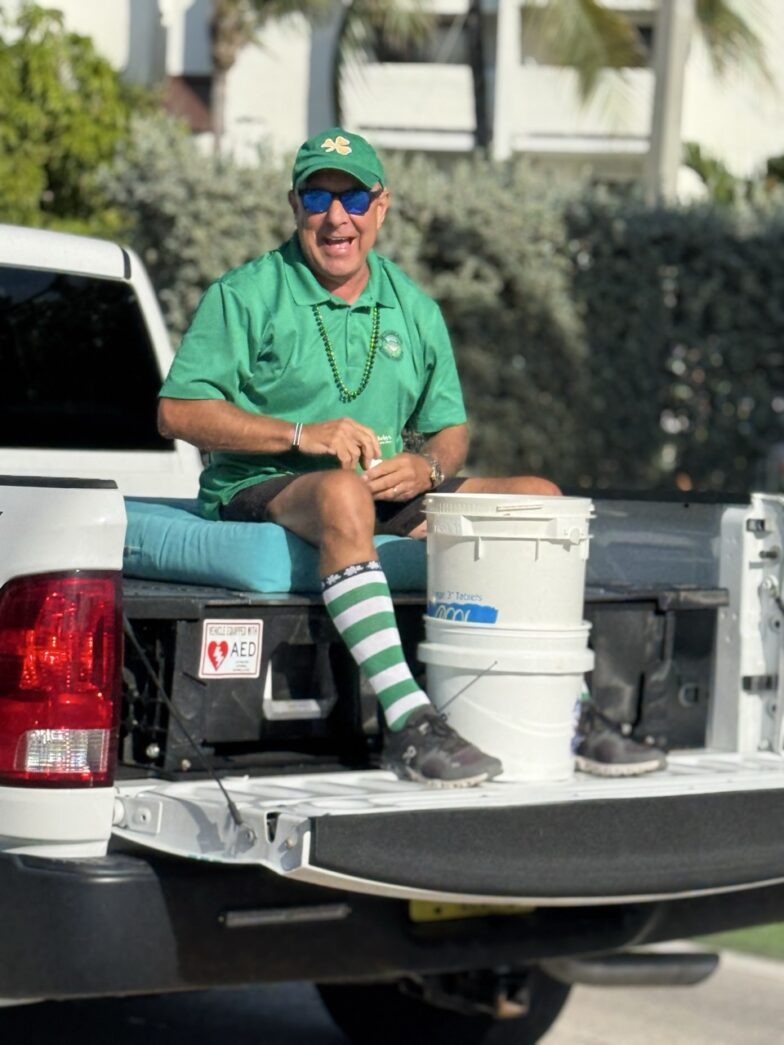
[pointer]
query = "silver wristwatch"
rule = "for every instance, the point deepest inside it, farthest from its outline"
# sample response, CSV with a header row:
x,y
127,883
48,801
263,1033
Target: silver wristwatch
x,y
436,475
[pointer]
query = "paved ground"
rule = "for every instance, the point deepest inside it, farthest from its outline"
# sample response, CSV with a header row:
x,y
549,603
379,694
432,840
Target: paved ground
x,y
743,1004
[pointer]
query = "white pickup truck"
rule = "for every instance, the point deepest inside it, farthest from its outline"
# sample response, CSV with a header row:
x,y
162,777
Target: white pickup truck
x,y
163,830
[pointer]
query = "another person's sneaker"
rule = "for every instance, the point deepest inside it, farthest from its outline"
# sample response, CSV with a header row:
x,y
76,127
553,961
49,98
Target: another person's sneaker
x,y
603,749
428,750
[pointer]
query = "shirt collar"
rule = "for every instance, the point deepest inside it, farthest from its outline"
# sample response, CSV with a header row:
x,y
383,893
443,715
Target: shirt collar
x,y
305,289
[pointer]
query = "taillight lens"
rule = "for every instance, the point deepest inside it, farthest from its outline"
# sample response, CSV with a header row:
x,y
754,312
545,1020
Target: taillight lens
x,y
60,649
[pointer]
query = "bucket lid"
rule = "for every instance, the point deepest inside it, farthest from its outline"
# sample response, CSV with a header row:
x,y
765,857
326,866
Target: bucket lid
x,y
515,505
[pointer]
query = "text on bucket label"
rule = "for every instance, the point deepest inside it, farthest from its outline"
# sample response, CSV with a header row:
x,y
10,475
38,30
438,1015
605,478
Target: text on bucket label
x,y
473,612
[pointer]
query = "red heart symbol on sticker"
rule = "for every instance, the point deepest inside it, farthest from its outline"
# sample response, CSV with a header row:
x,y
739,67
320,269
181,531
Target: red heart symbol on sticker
x,y
217,652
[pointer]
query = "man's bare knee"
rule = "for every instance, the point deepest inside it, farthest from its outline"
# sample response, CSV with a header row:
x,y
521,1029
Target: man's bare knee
x,y
345,505
523,484
542,487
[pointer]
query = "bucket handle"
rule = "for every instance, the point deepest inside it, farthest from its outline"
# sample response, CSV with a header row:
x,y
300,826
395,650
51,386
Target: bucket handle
x,y
517,507
574,535
468,685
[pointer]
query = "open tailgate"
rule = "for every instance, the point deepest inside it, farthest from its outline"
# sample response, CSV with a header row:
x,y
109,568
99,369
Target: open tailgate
x,y
709,823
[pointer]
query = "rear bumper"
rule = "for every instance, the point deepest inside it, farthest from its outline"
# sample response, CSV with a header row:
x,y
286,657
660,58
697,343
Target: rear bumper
x,y
134,923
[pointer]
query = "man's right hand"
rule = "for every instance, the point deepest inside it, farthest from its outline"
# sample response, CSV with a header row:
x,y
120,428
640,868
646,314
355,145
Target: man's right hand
x,y
349,441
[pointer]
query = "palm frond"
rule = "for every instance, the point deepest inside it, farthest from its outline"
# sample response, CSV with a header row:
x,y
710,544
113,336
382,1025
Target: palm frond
x,y
585,35
730,38
266,10
236,23
368,23
396,24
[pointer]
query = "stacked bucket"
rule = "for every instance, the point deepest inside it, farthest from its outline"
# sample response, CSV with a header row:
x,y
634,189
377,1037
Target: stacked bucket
x,y
506,646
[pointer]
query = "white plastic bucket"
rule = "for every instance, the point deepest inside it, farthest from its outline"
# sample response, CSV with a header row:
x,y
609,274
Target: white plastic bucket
x,y
514,560
512,692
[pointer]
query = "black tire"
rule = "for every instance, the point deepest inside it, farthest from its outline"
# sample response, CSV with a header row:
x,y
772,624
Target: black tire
x,y
383,1014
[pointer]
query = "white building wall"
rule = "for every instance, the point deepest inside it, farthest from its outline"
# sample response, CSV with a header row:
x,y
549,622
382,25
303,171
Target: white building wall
x,y
739,119
273,100
431,103
186,27
267,92
107,22
548,107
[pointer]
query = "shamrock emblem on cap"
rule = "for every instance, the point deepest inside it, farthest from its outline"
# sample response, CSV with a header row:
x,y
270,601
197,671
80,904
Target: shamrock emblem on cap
x,y
339,145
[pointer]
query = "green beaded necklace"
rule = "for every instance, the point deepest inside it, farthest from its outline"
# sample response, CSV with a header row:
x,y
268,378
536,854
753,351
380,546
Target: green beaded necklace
x,y
346,395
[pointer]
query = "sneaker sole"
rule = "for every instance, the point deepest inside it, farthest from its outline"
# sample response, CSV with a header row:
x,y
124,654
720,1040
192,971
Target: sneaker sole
x,y
437,782
586,765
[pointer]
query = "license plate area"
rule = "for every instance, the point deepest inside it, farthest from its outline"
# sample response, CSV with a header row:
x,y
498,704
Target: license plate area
x,y
423,911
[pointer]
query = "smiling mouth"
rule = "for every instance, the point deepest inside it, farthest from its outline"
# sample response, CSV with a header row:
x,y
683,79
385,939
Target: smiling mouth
x,y
338,242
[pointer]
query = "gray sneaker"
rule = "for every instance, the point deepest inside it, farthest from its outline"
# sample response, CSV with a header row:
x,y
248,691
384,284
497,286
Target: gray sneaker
x,y
603,749
428,750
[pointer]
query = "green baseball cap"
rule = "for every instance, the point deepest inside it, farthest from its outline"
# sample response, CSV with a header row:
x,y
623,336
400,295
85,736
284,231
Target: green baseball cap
x,y
337,149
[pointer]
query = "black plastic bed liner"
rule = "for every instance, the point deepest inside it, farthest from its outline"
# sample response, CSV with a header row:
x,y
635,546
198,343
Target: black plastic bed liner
x,y
146,598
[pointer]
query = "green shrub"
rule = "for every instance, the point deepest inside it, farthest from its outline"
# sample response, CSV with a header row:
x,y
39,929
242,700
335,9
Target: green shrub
x,y
64,110
601,342
192,215
684,324
486,240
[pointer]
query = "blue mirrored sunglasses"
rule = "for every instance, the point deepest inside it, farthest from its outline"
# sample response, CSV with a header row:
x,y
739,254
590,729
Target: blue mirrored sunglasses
x,y
353,201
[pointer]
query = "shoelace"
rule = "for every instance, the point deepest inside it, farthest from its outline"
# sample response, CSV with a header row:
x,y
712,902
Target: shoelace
x,y
439,727
594,715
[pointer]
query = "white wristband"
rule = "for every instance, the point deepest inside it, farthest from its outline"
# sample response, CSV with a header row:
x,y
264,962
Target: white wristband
x,y
297,436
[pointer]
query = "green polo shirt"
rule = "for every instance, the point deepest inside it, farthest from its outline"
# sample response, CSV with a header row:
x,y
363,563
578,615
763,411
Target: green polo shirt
x,y
254,341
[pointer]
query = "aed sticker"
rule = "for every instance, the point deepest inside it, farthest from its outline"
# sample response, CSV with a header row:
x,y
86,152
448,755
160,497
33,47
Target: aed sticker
x,y
230,649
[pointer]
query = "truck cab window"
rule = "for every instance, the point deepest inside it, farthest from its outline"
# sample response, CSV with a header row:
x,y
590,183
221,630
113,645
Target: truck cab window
x,y
78,367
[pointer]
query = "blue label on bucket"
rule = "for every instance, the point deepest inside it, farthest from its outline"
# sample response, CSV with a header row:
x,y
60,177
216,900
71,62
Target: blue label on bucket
x,y
470,612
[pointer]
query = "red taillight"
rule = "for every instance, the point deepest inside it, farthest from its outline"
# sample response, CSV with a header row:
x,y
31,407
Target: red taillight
x,y
60,648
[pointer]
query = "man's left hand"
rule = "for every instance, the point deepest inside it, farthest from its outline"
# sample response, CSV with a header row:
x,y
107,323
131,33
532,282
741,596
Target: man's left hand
x,y
399,479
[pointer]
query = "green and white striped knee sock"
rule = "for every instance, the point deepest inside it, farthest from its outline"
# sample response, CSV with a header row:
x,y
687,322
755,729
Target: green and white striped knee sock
x,y
358,601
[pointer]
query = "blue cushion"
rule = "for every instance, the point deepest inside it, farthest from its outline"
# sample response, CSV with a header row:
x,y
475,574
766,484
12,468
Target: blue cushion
x,y
169,540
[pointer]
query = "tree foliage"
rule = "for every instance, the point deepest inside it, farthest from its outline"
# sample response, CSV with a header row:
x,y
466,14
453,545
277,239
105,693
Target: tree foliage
x,y
193,216
593,36
486,240
367,25
684,321
730,37
64,112
600,341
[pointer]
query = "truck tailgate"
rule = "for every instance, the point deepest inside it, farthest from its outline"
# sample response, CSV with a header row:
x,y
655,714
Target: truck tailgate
x,y
705,825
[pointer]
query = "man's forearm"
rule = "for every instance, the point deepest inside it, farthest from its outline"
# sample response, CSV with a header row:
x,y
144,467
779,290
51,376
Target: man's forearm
x,y
213,424
449,447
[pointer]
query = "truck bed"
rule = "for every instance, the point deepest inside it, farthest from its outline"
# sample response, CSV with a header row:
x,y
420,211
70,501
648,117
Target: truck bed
x,y
653,643
327,815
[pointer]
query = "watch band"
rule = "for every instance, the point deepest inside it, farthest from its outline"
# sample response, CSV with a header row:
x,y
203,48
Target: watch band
x,y
436,474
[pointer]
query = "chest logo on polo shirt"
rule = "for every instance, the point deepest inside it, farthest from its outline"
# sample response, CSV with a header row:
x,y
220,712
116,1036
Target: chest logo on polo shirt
x,y
391,344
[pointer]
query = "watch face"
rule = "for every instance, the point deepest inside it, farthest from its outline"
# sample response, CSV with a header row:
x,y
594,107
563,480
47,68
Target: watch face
x,y
436,475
